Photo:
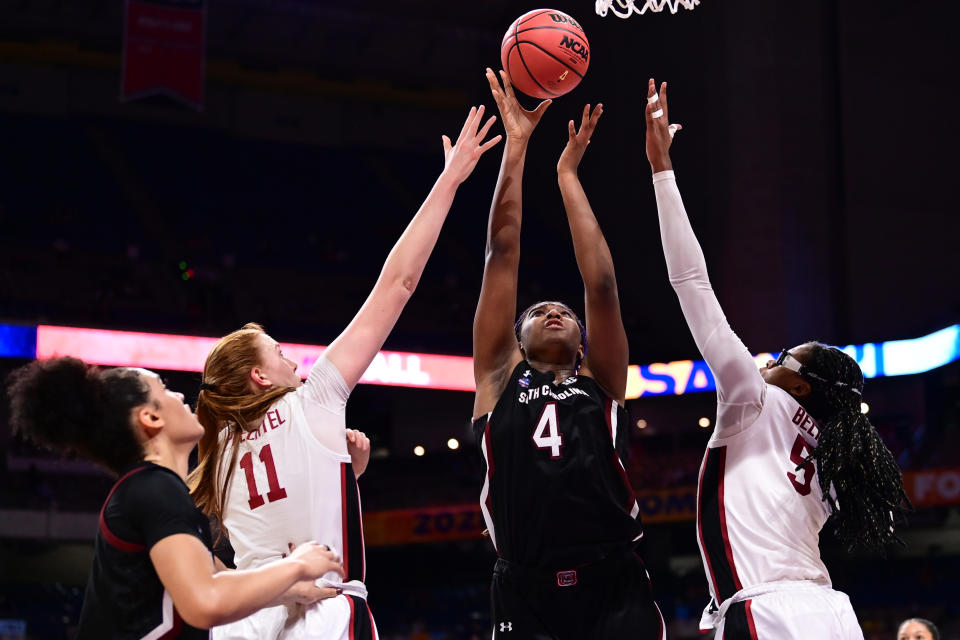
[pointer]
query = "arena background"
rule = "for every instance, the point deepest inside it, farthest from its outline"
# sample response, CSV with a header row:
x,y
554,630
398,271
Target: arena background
x,y
817,161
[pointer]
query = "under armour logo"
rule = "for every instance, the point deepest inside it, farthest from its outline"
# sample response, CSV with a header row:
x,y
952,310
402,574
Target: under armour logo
x,y
506,626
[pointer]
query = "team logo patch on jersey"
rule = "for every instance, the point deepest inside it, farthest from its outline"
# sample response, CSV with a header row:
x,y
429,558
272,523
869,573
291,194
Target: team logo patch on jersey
x,y
570,380
524,382
566,578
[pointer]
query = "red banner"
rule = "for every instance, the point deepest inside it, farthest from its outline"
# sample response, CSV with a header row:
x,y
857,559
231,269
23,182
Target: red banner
x,y
164,50
933,487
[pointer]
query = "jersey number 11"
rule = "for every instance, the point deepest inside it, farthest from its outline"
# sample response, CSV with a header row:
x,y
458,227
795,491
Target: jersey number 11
x,y
276,491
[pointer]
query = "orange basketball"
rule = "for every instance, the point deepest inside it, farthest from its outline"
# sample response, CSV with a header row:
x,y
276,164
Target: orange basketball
x,y
545,53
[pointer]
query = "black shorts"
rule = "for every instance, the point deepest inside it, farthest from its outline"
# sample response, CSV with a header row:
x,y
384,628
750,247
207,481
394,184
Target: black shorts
x,y
610,599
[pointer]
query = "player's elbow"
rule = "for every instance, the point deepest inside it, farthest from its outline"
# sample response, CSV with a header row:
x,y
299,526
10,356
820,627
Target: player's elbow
x,y
407,285
203,609
500,251
202,614
603,287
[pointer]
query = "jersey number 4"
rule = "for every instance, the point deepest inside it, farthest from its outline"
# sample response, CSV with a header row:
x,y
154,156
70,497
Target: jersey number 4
x,y
797,456
547,434
276,491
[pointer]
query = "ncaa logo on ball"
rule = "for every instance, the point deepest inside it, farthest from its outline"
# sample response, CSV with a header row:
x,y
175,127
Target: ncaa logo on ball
x,y
573,46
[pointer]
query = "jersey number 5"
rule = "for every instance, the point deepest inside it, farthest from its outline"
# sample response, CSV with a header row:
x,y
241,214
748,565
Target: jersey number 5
x,y
276,491
797,457
553,440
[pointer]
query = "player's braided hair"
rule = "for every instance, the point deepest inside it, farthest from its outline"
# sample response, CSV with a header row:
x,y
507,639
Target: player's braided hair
x,y
850,455
68,406
583,329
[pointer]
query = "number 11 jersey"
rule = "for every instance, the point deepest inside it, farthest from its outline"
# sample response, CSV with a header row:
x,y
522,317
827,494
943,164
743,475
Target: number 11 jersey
x,y
555,493
293,481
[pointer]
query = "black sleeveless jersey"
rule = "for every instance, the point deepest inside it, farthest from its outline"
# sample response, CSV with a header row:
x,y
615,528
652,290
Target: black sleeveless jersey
x,y
125,598
556,493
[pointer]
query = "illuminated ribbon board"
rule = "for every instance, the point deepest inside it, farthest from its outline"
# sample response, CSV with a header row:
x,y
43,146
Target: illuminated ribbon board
x,y
432,371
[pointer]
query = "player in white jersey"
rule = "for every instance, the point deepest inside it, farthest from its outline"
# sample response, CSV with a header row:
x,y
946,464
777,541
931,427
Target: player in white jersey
x,y
277,465
790,450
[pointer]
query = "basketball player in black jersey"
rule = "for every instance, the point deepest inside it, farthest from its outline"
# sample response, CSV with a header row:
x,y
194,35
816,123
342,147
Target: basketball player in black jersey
x,y
548,415
153,573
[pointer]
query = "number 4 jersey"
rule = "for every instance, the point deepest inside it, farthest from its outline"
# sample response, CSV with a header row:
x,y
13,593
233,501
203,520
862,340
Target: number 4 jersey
x,y
293,481
555,491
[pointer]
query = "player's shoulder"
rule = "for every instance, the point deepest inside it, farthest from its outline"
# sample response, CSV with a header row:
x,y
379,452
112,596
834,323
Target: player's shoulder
x,y
148,476
784,412
778,400
143,492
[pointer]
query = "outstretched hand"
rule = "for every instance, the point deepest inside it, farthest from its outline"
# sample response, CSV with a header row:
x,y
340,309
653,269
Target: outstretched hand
x,y
659,132
517,121
577,141
461,157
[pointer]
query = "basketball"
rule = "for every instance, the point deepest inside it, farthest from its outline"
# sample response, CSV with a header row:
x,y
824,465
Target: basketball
x,y
545,53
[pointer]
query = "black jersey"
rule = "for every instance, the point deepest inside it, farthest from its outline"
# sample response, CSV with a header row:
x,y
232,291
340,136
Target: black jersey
x,y
124,598
556,491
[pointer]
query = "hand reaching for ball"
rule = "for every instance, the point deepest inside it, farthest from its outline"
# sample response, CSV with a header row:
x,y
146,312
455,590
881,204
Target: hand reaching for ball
x,y
577,141
460,157
517,121
659,132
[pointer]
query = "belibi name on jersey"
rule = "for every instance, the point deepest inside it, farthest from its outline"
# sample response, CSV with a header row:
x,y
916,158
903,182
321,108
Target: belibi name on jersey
x,y
803,420
271,421
526,396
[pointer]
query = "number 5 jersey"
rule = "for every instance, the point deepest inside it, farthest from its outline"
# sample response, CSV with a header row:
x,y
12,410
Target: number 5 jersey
x,y
760,508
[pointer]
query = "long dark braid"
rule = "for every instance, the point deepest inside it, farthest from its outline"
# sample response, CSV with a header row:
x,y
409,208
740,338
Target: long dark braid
x,y
850,455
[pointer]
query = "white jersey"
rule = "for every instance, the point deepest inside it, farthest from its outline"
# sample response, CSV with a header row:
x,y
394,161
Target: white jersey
x,y
293,481
758,516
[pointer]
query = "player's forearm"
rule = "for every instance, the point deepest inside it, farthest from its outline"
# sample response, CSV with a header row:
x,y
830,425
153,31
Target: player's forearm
x,y
737,375
230,595
681,249
506,210
589,245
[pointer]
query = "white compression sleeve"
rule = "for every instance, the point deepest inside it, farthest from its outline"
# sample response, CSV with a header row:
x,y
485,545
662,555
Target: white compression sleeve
x,y
740,389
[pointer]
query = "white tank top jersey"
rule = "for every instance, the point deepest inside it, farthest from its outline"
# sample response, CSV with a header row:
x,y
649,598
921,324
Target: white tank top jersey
x,y
293,481
758,516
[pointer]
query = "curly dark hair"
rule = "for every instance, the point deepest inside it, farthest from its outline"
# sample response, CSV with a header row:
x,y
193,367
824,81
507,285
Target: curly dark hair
x,y
868,499
583,329
69,406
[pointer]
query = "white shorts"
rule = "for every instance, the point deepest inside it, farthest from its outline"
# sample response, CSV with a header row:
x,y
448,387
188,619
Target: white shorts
x,y
344,617
818,612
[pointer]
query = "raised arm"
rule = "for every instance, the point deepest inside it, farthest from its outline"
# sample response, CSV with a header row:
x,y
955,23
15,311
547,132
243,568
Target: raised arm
x,y
495,349
737,375
206,597
354,349
608,353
